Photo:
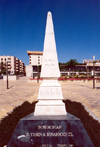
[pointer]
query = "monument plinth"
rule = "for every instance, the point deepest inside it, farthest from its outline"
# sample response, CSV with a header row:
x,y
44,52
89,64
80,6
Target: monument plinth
x,y
50,94
50,131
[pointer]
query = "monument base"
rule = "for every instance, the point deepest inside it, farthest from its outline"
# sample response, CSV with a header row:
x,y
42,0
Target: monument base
x,y
50,99
50,107
50,131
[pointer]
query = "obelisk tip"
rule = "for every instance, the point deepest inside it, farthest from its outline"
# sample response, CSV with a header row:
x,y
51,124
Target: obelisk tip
x,y
49,13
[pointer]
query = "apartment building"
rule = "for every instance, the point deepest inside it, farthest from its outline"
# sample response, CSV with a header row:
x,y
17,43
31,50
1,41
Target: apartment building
x,y
35,59
14,64
22,67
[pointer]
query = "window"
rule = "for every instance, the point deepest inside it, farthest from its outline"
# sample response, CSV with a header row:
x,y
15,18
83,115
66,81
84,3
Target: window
x,y
9,62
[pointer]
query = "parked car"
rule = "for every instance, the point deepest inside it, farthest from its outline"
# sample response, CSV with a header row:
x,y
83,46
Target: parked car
x,y
1,77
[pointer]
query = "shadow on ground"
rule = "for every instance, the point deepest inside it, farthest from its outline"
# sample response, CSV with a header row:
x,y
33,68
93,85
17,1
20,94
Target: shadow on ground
x,y
97,87
92,126
10,87
8,124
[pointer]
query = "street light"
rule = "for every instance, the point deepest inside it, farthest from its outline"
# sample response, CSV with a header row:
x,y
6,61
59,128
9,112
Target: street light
x,y
7,72
86,69
38,74
93,73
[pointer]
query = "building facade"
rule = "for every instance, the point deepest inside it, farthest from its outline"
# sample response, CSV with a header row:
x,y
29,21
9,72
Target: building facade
x,y
14,64
85,68
35,60
87,61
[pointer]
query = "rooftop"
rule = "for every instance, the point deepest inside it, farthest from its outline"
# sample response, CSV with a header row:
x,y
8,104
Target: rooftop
x,y
34,52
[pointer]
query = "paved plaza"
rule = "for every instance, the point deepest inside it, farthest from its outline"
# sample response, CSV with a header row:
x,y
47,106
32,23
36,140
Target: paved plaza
x,y
23,90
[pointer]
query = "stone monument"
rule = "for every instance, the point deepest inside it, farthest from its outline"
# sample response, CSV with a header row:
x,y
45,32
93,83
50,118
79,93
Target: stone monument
x,y
50,125
50,93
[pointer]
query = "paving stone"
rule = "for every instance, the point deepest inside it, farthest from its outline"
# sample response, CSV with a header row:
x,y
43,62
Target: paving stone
x,y
23,90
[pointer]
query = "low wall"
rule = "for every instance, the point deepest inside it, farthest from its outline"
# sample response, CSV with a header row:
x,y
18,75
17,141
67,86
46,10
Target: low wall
x,y
12,78
34,80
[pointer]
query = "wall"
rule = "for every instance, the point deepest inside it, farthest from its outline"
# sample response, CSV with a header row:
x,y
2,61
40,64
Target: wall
x,y
29,71
12,78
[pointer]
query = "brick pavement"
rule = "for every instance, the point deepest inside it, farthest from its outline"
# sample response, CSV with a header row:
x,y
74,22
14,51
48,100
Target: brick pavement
x,y
18,92
22,90
83,92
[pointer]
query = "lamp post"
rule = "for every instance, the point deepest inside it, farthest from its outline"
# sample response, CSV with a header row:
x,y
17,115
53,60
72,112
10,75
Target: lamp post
x,y
86,69
7,73
93,73
38,74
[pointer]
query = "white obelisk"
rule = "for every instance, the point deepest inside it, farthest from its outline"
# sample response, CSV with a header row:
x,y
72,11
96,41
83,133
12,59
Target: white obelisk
x,y
50,93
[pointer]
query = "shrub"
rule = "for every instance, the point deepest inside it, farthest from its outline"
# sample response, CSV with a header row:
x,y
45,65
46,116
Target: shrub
x,y
16,73
3,72
76,76
70,76
8,124
91,125
90,76
82,76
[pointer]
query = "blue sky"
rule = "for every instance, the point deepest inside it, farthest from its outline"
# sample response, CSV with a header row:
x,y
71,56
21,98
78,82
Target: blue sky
x,y
76,27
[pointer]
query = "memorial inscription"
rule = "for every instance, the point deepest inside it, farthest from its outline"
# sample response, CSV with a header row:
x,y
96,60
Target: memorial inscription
x,y
50,132
50,92
50,62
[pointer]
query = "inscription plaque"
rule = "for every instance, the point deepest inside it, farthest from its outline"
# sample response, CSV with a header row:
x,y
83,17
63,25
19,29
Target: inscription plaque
x,y
50,131
49,92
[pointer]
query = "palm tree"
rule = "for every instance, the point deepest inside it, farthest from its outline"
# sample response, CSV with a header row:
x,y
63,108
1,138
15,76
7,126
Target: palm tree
x,y
71,63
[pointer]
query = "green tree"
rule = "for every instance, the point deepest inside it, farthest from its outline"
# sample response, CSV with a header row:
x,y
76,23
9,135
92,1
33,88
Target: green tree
x,y
71,63
16,73
39,68
3,68
62,66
